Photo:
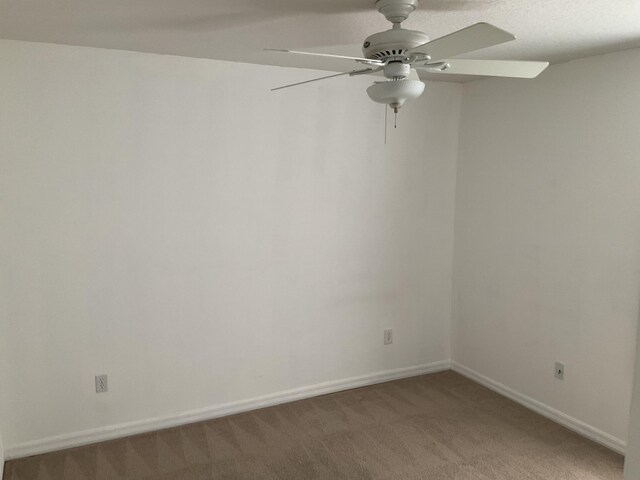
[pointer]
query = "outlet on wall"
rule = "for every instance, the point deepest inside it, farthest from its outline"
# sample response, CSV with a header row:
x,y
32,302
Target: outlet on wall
x,y
559,371
101,384
388,337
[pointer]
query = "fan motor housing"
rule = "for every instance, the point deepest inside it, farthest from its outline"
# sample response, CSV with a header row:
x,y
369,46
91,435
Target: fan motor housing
x,y
392,43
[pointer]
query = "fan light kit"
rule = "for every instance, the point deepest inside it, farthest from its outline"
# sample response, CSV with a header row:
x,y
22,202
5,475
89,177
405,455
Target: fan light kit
x,y
397,54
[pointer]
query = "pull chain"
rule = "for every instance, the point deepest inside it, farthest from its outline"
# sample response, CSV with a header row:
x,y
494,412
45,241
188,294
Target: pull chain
x,y
386,111
386,121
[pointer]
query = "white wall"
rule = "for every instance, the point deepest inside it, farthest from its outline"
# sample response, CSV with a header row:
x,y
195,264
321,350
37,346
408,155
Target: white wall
x,y
547,236
1,457
173,224
632,458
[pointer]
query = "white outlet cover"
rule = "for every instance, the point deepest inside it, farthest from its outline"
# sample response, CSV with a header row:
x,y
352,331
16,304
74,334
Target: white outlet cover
x,y
388,337
102,384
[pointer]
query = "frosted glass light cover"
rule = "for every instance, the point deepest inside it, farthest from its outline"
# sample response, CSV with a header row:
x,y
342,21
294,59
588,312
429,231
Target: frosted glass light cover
x,y
396,93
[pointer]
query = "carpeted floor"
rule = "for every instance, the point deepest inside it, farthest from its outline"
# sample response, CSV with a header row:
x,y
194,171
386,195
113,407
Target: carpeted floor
x,y
434,427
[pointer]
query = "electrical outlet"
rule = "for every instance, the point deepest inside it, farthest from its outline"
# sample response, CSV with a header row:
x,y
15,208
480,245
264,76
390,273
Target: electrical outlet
x,y
101,384
559,372
388,337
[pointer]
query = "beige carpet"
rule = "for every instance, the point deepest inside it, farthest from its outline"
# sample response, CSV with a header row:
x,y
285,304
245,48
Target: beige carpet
x,y
433,427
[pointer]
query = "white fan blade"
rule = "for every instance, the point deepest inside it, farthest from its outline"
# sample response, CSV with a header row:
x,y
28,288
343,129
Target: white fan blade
x,y
326,55
352,74
492,68
475,37
413,75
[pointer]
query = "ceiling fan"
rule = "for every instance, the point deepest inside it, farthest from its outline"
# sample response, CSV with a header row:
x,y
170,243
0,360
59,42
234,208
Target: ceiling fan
x,y
397,53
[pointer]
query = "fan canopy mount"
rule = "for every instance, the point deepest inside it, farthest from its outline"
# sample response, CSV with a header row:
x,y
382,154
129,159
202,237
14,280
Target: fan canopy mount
x,y
396,11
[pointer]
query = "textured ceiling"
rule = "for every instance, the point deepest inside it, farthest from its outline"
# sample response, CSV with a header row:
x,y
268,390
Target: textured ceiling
x,y
238,30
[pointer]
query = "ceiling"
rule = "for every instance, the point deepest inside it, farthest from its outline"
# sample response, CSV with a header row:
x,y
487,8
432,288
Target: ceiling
x,y
238,30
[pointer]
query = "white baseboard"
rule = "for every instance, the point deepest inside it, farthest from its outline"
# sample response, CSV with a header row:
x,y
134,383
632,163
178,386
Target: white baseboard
x,y
86,437
557,416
